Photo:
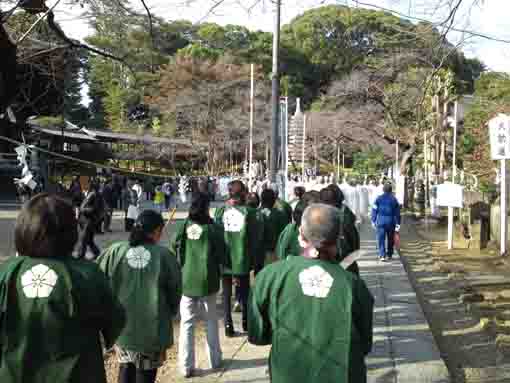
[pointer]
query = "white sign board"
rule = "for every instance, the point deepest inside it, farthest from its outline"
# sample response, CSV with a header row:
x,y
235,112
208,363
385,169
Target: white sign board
x,y
499,132
449,195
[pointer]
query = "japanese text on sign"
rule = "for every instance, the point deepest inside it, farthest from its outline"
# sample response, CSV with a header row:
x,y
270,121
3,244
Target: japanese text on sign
x,y
499,131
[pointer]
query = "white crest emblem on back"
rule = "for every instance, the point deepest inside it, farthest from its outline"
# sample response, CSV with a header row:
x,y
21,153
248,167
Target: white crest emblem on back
x,y
315,282
266,212
38,282
233,220
138,257
194,232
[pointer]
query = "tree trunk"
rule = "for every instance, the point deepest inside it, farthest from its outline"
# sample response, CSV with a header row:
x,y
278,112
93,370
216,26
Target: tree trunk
x,y
406,156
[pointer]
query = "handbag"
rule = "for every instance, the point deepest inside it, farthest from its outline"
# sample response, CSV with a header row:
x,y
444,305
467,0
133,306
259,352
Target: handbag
x,y
396,241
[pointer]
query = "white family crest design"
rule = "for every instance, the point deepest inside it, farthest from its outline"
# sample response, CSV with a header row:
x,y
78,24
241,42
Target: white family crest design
x,y
266,212
233,220
315,282
194,232
39,281
138,257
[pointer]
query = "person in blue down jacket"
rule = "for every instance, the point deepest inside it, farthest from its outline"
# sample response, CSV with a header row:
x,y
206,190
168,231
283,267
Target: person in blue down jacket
x,y
386,220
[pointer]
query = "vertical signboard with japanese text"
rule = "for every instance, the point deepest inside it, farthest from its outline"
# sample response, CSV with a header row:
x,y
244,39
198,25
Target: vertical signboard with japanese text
x,y
499,131
499,134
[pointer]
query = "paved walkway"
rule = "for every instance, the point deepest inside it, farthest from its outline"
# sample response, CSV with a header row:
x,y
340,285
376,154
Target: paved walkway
x,y
404,349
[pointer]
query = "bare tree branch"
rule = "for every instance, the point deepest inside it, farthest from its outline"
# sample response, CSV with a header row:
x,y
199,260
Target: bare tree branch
x,y
151,33
76,44
469,32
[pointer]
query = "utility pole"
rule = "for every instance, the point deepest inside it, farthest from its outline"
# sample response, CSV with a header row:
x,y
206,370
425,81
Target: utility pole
x,y
303,150
426,168
252,97
338,160
275,94
397,168
454,174
284,140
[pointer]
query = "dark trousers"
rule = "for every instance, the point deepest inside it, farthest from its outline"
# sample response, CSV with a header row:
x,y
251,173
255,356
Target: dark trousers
x,y
244,292
385,236
87,240
128,224
107,223
99,225
167,201
129,374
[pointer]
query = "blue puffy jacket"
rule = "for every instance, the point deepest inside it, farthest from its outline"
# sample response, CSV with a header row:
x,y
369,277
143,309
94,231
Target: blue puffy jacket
x,y
386,210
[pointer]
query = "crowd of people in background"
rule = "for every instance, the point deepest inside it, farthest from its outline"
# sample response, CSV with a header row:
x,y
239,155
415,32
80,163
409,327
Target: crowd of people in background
x,y
304,294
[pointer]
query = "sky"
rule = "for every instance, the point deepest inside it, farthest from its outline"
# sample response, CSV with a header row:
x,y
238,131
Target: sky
x,y
488,17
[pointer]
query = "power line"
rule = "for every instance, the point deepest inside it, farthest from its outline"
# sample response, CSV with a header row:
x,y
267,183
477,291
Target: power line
x,y
403,15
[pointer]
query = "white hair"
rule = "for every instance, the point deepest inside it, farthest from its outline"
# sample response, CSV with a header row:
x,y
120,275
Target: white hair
x,y
320,224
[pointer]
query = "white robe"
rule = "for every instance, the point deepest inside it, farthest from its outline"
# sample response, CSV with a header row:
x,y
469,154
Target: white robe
x,y
352,199
364,206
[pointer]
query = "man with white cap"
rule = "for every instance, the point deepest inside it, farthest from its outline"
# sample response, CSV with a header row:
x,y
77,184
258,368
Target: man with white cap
x,y
316,315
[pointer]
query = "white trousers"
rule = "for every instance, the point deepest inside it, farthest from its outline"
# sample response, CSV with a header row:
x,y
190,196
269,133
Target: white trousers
x,y
190,310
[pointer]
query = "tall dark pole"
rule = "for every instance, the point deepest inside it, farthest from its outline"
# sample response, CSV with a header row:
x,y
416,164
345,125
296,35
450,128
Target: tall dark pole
x,y
275,95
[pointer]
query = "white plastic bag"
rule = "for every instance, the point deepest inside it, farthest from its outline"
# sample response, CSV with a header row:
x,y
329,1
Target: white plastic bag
x,y
132,212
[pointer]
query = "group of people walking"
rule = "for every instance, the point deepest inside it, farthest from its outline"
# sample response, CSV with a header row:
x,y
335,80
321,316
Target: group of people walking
x,y
57,311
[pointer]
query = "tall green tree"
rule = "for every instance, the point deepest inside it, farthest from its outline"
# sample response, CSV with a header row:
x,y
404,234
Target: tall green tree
x,y
491,96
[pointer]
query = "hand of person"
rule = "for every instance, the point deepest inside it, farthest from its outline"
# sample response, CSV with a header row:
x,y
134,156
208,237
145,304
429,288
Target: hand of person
x,y
236,282
374,226
397,228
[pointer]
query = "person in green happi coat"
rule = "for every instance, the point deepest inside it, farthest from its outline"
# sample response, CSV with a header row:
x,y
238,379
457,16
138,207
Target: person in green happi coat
x,y
349,240
238,222
147,281
253,202
199,247
317,317
288,242
54,308
276,221
283,206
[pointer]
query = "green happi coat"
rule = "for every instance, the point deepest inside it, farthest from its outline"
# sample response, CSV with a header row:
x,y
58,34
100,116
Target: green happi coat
x,y
349,240
147,281
276,221
285,208
239,235
259,234
318,319
288,243
52,313
200,250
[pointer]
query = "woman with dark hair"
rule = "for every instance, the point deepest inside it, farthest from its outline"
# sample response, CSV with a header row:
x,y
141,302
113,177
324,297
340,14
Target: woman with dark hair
x,y
145,277
53,307
299,191
200,249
